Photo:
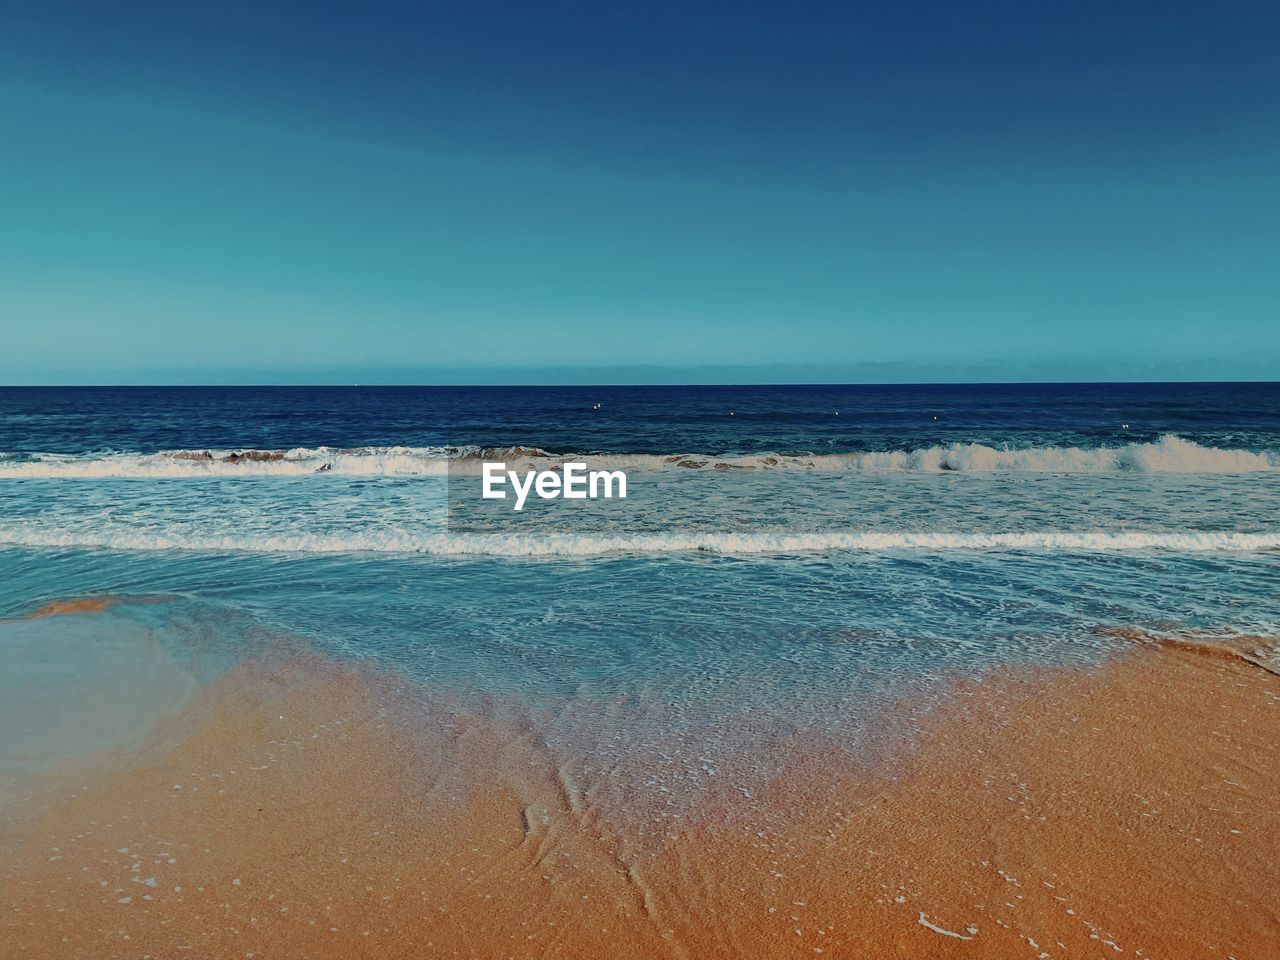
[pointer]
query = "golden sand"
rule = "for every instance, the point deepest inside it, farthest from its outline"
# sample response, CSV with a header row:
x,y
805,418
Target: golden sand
x,y
1132,811
98,604
56,608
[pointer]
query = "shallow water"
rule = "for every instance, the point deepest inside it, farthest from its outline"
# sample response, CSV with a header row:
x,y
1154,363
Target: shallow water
x,y
870,561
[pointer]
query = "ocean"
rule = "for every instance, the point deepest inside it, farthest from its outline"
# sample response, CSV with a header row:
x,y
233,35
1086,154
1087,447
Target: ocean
x,y
799,555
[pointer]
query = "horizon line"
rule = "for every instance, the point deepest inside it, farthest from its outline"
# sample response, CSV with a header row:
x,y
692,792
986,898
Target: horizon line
x,y
602,385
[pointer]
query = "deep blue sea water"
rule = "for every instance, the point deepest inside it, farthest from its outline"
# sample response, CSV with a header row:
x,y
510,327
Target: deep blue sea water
x,y
788,553
637,419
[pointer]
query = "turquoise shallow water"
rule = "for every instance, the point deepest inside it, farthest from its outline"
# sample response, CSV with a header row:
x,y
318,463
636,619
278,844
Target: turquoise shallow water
x,y
612,656
755,582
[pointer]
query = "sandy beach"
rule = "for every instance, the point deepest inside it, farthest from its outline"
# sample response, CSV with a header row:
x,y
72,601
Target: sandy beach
x,y
299,809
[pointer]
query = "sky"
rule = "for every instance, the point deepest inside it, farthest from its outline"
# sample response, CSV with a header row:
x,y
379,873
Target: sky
x,y
424,192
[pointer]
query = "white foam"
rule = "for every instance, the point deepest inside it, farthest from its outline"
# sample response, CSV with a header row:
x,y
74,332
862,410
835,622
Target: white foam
x,y
923,920
662,542
1170,454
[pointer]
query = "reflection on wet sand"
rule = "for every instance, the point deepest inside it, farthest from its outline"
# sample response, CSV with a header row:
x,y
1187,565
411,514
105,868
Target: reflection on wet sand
x,y
303,808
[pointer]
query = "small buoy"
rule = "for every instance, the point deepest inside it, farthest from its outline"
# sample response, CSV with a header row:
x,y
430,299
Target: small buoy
x,y
1124,426
837,413
731,413
935,416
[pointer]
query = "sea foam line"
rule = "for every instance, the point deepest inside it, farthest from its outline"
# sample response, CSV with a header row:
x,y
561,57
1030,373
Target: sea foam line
x,y
1169,454
588,545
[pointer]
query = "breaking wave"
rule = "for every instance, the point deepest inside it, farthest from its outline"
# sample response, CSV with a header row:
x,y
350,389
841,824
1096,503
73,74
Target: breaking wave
x,y
1169,454
662,542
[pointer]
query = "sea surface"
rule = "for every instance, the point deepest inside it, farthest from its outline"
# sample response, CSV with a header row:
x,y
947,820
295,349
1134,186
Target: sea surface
x,y
791,556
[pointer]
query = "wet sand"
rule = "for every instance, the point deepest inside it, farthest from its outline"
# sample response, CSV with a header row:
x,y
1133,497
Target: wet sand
x,y
57,608
299,809
79,684
64,606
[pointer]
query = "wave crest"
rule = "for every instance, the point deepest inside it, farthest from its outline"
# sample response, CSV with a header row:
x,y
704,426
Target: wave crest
x,y
1169,454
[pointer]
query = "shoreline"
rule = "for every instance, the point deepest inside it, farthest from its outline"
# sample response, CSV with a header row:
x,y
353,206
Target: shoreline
x,y
298,809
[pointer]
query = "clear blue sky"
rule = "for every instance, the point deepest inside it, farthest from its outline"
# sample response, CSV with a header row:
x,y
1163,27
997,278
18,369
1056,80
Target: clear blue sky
x,y
222,192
